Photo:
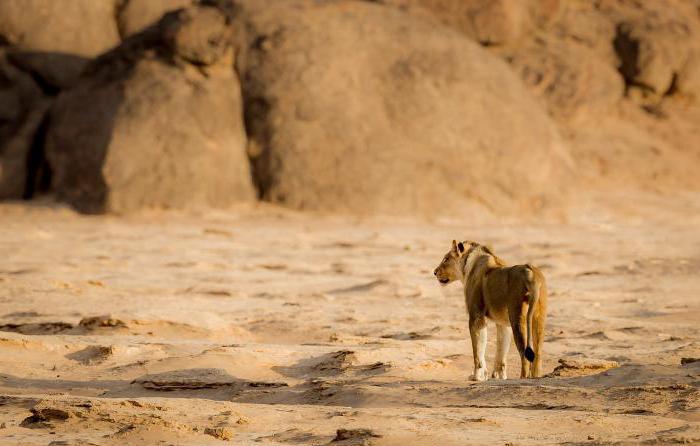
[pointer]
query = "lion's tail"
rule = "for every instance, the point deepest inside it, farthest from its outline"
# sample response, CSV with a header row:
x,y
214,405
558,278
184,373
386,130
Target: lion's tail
x,y
533,295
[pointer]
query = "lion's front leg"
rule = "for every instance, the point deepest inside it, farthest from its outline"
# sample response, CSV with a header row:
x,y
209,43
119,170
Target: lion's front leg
x,y
477,330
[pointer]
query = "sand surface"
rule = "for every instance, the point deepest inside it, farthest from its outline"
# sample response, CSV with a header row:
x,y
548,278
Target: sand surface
x,y
263,326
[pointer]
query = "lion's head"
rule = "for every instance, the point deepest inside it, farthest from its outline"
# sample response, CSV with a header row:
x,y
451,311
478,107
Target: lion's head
x,y
449,269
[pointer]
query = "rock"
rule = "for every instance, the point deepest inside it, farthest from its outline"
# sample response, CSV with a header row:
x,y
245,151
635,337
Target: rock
x,y
620,79
93,354
54,39
357,107
688,79
146,128
41,328
22,109
489,22
336,362
221,433
43,414
188,380
570,77
581,367
354,437
649,42
649,56
686,361
137,15
47,412
94,322
200,36
200,379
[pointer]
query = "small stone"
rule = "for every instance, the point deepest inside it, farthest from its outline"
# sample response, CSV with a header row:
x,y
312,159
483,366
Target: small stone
x,y
221,433
354,434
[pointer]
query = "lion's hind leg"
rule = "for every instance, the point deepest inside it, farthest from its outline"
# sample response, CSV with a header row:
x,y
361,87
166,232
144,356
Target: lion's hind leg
x,y
518,324
504,338
538,335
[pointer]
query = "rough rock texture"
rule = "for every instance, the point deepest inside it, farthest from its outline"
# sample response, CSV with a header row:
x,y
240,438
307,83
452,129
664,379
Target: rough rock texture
x,y
573,82
22,107
137,15
489,22
146,128
355,106
54,37
582,366
622,80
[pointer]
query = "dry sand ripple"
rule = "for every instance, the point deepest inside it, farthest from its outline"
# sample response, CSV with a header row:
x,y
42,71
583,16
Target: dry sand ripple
x,y
263,326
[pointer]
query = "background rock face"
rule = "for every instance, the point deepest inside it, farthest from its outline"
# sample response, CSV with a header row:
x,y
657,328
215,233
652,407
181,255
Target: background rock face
x,y
358,107
145,128
55,38
387,106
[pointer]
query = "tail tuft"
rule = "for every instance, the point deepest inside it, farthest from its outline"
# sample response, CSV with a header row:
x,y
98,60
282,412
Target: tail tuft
x,y
529,354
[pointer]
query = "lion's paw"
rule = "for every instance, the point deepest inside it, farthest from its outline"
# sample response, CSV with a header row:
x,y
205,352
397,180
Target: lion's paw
x,y
479,375
499,373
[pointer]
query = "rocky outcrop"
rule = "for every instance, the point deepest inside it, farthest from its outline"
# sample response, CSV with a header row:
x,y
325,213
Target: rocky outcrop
x,y
55,39
155,123
374,106
573,82
354,106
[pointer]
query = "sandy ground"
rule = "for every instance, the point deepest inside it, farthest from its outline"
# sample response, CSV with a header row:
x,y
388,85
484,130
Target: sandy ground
x,y
262,326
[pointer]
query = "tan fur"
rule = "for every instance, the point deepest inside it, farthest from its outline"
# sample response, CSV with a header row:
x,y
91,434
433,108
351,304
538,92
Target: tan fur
x,y
504,294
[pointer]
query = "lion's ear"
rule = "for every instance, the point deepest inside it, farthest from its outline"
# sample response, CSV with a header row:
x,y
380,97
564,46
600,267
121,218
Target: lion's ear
x,y
454,246
460,248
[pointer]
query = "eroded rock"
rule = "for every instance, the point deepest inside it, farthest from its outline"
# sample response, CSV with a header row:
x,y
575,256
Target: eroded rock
x,y
355,106
155,123
581,367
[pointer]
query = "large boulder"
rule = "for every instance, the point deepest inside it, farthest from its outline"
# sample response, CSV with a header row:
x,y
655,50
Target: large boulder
x,y
355,106
55,38
22,107
155,123
136,15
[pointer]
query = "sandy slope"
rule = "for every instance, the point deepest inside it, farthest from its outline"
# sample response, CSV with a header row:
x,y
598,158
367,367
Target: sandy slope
x,y
268,327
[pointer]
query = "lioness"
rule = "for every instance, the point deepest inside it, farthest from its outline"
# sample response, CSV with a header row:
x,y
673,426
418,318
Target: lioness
x,y
515,297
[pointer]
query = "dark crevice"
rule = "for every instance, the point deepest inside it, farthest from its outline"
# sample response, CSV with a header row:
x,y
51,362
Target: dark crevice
x,y
255,111
627,50
673,88
119,8
38,178
44,85
256,106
